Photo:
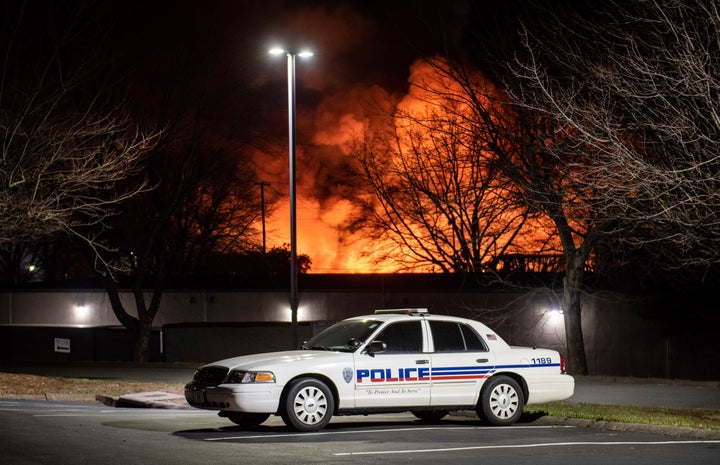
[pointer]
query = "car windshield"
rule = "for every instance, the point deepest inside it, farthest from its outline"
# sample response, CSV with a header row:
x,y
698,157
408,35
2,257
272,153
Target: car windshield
x,y
345,336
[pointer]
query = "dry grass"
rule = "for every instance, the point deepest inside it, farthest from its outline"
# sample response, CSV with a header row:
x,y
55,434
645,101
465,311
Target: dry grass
x,y
12,384
686,418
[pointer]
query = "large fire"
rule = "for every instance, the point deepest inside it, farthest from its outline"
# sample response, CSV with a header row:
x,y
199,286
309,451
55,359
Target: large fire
x,y
322,192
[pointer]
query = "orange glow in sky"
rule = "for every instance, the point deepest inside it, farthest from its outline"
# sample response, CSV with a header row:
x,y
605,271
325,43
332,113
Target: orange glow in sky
x,y
322,192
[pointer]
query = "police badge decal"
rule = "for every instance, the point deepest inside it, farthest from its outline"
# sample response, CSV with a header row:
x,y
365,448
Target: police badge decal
x,y
347,374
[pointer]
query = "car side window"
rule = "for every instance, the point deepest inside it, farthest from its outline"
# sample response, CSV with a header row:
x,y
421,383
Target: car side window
x,y
449,336
473,343
402,337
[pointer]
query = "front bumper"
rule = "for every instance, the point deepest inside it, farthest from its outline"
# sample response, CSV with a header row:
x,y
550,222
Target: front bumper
x,y
250,398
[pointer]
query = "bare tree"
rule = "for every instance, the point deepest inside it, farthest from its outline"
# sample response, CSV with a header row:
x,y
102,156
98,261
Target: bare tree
x,y
462,180
639,85
618,136
64,151
204,202
545,175
437,200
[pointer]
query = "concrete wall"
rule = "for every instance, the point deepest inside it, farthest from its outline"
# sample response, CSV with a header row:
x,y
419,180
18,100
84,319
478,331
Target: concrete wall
x,y
208,325
53,344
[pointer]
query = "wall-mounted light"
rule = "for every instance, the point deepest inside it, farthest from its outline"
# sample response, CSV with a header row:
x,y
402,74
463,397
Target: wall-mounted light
x,y
302,313
555,315
81,311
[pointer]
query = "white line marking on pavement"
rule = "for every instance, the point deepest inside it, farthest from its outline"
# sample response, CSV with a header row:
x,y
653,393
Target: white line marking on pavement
x,y
527,446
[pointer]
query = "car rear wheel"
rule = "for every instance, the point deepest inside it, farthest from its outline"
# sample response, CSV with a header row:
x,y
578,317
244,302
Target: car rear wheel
x,y
248,419
430,415
501,401
308,406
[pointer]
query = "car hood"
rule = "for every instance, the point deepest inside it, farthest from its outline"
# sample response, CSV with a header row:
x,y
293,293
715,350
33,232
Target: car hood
x,y
267,360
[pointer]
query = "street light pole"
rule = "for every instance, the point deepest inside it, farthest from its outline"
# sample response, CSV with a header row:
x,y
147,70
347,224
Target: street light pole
x,y
294,299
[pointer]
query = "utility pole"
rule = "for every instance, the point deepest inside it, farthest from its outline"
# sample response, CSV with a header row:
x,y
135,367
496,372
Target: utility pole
x,y
262,185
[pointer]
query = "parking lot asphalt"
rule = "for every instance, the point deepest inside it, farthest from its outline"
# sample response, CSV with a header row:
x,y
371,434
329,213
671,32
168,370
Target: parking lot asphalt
x,y
682,394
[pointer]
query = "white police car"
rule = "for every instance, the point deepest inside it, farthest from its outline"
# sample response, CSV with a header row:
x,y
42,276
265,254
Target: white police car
x,y
392,361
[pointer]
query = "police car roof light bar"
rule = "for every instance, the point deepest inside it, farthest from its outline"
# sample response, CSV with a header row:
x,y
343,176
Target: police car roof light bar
x,y
402,311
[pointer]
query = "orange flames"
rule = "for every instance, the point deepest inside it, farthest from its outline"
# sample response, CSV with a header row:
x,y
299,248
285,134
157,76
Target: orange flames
x,y
321,189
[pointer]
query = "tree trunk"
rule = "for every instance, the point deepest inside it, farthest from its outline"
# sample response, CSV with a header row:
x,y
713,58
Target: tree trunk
x,y
146,316
572,308
116,304
143,335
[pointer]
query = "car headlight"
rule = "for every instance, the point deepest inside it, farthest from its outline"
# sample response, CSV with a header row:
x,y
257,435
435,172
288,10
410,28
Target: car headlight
x,y
249,377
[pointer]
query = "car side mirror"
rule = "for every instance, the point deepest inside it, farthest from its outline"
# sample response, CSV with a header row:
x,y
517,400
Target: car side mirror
x,y
376,347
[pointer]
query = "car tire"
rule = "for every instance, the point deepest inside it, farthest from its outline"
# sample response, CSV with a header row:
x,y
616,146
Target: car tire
x,y
308,405
430,415
501,401
247,419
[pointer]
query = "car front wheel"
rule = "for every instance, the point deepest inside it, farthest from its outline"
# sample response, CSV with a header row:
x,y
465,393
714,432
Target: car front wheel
x,y
501,401
308,406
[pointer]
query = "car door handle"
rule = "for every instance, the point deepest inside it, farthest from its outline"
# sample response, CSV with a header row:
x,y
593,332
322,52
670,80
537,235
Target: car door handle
x,y
422,362
482,360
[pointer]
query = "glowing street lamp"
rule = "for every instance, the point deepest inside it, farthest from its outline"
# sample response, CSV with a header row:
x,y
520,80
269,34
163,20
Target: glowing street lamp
x,y
293,220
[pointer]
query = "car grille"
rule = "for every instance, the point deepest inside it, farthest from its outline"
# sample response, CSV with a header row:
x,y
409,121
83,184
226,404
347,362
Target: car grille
x,y
209,376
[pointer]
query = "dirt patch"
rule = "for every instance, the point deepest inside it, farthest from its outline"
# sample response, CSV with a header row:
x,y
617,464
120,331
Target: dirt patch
x,y
12,384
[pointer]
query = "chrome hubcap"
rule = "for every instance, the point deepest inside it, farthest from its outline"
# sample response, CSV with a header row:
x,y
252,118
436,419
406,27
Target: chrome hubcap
x,y
504,401
310,405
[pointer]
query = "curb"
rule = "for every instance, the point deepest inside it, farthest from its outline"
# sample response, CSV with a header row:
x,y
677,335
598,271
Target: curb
x,y
141,400
50,396
672,431
156,399
107,400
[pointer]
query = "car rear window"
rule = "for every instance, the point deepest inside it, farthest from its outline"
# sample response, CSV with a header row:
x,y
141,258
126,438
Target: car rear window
x,y
449,336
